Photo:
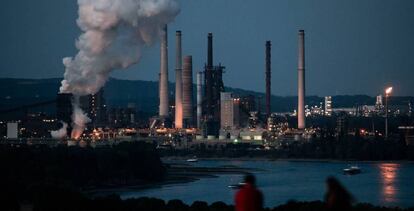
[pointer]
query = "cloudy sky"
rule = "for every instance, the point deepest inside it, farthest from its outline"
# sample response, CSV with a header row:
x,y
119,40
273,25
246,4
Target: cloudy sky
x,y
352,46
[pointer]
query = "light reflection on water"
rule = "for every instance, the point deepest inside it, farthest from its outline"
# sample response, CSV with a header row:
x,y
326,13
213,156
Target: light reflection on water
x,y
383,184
389,173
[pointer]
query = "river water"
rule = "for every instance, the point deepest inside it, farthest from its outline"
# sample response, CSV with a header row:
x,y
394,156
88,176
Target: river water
x,y
380,183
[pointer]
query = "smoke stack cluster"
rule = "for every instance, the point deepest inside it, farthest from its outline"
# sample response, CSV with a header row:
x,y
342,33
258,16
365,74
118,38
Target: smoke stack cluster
x,y
183,87
164,74
188,90
268,77
301,80
113,35
178,83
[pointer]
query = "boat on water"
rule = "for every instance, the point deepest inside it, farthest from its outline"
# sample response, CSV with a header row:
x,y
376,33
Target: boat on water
x,y
352,170
194,159
237,186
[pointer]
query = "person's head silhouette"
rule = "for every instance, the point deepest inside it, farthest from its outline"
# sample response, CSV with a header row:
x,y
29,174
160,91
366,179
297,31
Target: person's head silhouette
x,y
250,179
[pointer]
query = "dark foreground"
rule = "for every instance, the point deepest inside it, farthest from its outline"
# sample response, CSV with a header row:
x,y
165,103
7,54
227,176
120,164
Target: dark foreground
x,y
41,178
55,199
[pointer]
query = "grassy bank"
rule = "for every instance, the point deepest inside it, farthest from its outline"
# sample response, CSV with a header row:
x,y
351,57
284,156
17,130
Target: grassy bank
x,y
67,201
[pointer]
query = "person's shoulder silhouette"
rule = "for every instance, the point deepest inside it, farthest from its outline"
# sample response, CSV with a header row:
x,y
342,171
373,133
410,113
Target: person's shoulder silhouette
x,y
337,197
249,197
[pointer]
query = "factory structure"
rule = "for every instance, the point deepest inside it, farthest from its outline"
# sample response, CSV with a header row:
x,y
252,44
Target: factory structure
x,y
215,113
198,109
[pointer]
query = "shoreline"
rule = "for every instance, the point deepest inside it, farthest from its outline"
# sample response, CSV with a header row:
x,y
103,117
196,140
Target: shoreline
x,y
196,174
176,174
255,159
181,173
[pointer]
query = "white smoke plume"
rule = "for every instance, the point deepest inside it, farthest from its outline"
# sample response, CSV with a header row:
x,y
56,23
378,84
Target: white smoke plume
x,y
114,32
61,133
79,118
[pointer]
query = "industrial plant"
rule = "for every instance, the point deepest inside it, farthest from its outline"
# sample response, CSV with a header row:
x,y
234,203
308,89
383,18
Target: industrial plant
x,y
201,110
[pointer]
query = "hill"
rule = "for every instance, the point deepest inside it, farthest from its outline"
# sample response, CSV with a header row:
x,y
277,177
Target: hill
x,y
17,92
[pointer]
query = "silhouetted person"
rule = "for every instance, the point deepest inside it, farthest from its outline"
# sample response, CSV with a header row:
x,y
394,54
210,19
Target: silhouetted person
x,y
337,197
249,198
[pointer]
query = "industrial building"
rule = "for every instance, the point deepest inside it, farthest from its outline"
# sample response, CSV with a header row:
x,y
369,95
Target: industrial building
x,y
214,109
12,130
213,86
210,114
122,117
229,111
94,106
64,107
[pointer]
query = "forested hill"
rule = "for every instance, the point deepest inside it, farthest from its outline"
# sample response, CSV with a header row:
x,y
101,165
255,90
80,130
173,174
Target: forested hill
x,y
16,92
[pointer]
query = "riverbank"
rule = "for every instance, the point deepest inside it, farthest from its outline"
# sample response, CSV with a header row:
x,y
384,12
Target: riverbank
x,y
184,158
179,171
282,181
176,173
344,148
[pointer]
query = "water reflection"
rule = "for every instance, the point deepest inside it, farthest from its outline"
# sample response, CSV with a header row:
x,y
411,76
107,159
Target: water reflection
x,y
388,177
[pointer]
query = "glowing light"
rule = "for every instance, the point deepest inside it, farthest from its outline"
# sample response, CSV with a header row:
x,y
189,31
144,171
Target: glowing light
x,y
388,90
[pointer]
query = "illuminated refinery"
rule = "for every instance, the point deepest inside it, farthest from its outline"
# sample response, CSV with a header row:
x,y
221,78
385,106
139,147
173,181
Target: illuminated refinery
x,y
205,112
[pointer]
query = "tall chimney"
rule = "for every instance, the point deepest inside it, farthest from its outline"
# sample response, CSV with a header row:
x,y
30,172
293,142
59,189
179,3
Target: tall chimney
x,y
268,77
199,98
178,82
301,80
188,91
208,77
210,50
164,74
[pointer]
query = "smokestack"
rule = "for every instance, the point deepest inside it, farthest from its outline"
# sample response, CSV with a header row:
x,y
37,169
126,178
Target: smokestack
x,y
164,74
199,98
210,50
268,77
178,82
188,90
208,76
301,80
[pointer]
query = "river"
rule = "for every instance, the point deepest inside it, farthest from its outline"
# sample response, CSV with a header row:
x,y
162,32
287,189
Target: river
x,y
380,183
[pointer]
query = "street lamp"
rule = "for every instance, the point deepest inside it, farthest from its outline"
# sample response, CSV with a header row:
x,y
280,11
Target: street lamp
x,y
387,94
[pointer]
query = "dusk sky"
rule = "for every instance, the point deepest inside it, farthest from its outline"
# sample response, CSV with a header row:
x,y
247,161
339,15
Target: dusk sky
x,y
352,46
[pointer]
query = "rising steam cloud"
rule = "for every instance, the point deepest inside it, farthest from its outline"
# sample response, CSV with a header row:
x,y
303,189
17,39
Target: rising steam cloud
x,y
79,118
61,133
114,32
